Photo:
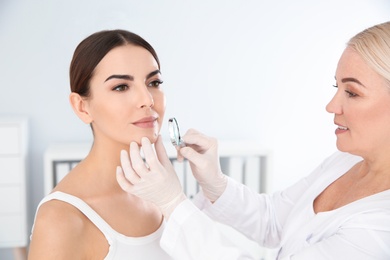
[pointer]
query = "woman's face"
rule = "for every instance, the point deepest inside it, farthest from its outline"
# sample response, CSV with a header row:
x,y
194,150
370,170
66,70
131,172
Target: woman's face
x,y
361,107
126,101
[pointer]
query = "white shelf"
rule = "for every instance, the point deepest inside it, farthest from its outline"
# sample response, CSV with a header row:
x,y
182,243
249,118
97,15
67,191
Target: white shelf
x,y
13,154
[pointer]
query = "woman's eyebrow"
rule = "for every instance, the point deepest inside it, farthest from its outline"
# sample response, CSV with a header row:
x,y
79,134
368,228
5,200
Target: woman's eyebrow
x,y
127,77
151,74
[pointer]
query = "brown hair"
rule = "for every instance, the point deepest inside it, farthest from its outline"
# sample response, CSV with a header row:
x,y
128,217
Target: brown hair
x,y
91,51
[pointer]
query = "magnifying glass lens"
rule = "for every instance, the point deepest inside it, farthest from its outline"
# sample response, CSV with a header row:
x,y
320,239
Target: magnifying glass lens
x,y
174,132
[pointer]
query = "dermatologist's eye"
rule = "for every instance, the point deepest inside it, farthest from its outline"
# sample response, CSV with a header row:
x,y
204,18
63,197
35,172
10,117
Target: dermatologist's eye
x,y
155,83
122,87
350,93
335,86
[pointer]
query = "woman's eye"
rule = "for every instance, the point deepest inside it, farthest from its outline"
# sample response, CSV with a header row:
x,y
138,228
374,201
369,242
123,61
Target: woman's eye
x,y
121,88
350,93
155,83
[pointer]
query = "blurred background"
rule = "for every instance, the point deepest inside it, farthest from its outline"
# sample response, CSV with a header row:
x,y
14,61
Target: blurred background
x,y
255,71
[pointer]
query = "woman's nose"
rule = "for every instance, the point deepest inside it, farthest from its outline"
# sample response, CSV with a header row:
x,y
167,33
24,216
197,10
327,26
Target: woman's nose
x,y
145,98
149,104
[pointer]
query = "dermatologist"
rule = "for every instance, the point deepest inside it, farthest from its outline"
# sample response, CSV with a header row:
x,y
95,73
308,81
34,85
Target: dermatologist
x,y
339,211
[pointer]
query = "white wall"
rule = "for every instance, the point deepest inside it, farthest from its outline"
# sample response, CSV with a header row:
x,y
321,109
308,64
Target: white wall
x,y
254,70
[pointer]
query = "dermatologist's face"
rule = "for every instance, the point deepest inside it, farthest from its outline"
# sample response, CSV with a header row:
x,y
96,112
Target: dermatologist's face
x,y
361,107
127,101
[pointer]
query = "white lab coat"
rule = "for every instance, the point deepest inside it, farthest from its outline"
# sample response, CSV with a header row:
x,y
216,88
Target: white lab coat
x,y
359,230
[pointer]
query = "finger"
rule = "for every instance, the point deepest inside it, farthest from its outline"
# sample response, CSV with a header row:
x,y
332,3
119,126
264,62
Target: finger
x,y
190,132
179,157
128,170
150,155
136,160
125,162
191,155
122,181
161,152
193,137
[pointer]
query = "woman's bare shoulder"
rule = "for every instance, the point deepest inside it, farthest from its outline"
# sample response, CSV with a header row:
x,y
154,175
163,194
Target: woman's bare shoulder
x,y
59,231
54,212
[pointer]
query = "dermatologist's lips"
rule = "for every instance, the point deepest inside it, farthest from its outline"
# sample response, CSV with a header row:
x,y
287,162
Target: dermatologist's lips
x,y
340,129
146,122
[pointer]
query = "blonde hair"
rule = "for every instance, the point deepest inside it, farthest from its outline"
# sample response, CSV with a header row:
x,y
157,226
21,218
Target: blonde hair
x,y
373,45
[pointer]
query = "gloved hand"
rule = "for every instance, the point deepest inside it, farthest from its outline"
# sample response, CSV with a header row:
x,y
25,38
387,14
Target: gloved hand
x,y
155,180
202,153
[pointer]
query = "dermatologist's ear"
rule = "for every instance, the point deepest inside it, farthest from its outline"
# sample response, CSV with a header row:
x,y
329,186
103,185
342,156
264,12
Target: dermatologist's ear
x,y
80,107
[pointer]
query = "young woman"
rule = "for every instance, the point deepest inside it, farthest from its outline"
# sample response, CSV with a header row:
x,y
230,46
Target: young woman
x,y
340,211
115,83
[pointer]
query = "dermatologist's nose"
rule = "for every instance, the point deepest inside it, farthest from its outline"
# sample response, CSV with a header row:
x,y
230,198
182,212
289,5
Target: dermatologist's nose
x,y
334,106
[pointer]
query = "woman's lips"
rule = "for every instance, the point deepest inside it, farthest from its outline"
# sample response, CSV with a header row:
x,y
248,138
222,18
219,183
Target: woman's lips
x,y
146,122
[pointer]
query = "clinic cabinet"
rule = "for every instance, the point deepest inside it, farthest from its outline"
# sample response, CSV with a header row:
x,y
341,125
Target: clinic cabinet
x,y
13,150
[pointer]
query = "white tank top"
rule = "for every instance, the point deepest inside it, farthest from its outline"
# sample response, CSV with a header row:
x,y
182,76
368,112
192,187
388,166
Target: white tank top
x,y
121,246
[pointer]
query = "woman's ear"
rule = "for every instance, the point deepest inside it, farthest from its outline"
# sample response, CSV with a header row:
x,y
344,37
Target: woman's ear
x,y
80,107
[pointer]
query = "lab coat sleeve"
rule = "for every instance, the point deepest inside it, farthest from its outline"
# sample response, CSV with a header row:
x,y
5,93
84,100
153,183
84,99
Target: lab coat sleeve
x,y
365,236
260,217
190,234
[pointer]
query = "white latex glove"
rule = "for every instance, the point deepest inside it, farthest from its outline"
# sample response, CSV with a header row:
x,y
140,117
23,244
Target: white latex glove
x,y
202,153
154,181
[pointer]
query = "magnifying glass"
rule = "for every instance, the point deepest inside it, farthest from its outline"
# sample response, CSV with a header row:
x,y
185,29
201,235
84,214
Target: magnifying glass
x,y
174,133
